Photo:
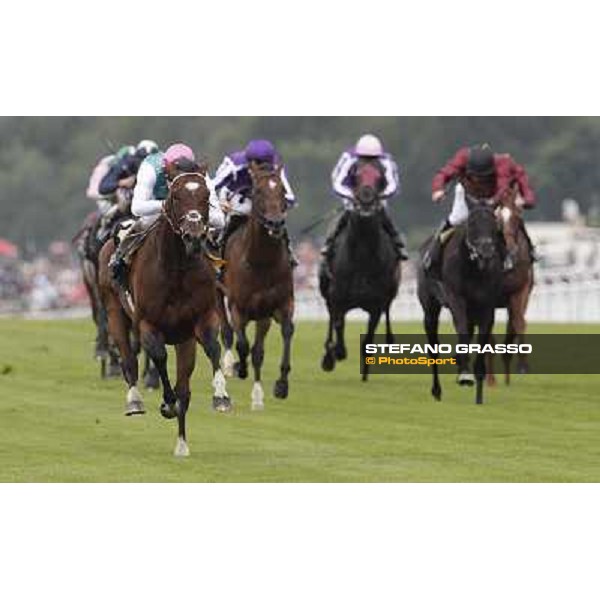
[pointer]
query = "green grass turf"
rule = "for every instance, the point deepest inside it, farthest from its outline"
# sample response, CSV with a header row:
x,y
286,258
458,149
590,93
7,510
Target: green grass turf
x,y
60,422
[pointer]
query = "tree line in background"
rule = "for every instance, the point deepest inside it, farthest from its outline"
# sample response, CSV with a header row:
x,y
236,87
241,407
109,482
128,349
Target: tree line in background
x,y
45,162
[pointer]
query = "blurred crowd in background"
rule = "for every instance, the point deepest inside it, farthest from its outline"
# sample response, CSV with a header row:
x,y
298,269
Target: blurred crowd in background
x,y
51,280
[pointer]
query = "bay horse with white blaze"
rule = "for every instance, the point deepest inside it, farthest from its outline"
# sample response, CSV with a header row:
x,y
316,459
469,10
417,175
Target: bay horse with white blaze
x,y
365,270
258,282
173,300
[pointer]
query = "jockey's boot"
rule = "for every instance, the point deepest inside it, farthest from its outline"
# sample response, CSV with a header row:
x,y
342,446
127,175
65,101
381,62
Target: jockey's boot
x,y
231,226
432,255
532,252
119,261
335,230
396,237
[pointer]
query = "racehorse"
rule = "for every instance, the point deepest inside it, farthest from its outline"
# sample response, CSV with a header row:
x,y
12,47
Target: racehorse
x,y
258,282
88,246
469,284
364,271
517,284
172,299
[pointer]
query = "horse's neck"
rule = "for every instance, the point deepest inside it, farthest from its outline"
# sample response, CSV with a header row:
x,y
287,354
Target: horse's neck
x,y
261,248
170,251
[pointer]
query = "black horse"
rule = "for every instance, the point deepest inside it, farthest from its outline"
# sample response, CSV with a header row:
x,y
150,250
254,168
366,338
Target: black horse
x,y
468,282
364,271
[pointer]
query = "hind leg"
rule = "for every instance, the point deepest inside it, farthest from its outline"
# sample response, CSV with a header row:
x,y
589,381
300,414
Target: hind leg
x,y
328,361
119,329
287,331
340,346
374,319
206,333
239,324
431,323
153,343
226,338
258,356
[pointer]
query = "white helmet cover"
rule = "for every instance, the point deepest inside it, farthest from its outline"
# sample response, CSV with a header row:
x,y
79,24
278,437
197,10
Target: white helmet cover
x,y
369,145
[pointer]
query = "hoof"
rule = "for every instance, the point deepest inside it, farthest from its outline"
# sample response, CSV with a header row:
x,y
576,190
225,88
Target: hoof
x,y
436,393
490,380
168,411
523,369
135,407
467,379
281,389
328,363
241,370
222,404
340,353
181,449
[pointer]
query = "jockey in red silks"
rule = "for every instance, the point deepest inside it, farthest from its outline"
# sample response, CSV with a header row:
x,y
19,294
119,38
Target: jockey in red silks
x,y
483,175
367,148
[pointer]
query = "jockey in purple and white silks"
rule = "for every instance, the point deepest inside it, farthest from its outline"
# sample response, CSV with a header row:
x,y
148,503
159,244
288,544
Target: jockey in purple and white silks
x,y
368,148
234,185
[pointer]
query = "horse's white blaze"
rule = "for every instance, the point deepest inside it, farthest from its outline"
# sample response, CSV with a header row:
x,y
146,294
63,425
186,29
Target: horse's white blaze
x,y
258,396
133,395
220,384
272,184
192,186
228,361
505,213
181,448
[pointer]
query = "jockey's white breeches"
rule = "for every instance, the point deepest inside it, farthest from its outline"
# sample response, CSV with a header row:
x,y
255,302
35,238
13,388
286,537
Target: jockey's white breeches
x,y
460,211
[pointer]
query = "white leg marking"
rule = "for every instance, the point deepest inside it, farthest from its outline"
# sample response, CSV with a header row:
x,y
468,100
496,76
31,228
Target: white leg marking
x,y
181,449
133,395
228,360
220,385
258,396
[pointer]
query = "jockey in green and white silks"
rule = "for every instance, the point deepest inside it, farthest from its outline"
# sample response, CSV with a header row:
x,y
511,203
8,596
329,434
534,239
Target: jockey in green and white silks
x,y
151,190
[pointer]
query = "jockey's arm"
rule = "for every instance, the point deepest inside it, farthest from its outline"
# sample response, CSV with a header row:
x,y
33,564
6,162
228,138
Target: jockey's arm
x,y
143,203
216,216
526,193
339,175
392,178
449,172
289,194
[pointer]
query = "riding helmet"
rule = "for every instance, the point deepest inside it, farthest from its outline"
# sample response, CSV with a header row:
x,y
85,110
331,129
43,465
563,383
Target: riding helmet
x,y
481,161
260,151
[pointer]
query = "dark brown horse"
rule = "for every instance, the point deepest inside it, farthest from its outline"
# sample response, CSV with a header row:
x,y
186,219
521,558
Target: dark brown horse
x,y
469,285
259,282
517,283
172,300
88,247
365,271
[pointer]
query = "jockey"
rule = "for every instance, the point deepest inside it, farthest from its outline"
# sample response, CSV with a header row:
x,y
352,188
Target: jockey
x,y
233,185
120,180
151,189
368,148
483,175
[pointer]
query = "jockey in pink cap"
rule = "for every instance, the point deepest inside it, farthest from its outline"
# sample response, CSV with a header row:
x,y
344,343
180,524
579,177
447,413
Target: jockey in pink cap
x,y
151,189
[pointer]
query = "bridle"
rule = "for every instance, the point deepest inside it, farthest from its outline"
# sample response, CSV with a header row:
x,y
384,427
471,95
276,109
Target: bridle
x,y
275,228
487,206
191,216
